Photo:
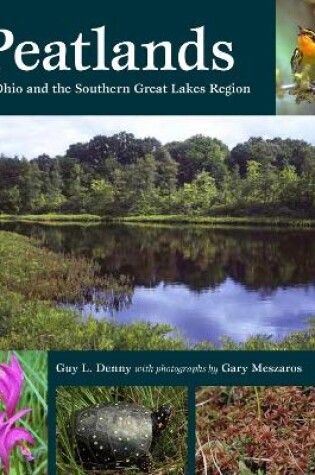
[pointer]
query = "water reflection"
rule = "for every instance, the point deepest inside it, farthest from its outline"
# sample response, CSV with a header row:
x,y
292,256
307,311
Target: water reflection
x,y
208,282
228,310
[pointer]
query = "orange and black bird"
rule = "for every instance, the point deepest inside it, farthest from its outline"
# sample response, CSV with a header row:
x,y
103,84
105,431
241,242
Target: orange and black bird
x,y
304,53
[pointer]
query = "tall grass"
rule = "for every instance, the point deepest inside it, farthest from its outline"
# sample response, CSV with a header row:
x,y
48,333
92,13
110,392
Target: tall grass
x,y
34,365
169,454
40,274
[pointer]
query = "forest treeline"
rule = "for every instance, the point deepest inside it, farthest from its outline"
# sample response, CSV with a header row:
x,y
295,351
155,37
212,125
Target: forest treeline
x,y
123,175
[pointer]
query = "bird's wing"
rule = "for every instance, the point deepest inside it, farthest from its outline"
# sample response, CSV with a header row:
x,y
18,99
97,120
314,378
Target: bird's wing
x,y
296,60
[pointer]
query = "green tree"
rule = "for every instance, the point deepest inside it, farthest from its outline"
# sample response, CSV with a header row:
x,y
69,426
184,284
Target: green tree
x,y
288,182
199,196
197,154
231,189
125,147
261,181
143,179
100,197
31,187
11,200
123,193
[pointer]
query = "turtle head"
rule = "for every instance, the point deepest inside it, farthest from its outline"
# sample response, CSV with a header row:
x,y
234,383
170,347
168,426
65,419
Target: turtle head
x,y
161,417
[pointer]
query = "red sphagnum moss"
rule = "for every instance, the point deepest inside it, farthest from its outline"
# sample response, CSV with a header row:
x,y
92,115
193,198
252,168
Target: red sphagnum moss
x,y
262,430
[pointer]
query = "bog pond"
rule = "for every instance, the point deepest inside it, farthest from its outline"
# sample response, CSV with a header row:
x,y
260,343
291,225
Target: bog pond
x,y
207,282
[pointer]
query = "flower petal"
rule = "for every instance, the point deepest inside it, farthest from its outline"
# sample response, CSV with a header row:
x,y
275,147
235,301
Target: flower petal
x,y
4,387
11,382
16,435
11,436
16,366
2,417
9,422
4,453
26,453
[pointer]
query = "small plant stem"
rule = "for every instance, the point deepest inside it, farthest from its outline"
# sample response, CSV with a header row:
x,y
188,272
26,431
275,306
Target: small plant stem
x,y
16,465
258,402
230,395
204,459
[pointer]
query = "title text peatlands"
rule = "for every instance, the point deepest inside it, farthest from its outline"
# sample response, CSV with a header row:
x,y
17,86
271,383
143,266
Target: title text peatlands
x,y
194,54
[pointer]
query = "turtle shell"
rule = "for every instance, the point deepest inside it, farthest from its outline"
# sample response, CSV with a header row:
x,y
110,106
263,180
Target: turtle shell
x,y
112,434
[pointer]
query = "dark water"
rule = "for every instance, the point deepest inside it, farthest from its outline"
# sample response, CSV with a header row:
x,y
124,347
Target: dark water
x,y
207,282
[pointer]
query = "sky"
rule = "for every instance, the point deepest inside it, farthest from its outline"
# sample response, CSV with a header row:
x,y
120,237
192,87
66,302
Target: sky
x,y
30,136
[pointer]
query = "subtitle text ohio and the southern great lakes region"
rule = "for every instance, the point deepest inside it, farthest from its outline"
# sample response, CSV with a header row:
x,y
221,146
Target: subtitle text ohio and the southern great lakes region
x,y
173,88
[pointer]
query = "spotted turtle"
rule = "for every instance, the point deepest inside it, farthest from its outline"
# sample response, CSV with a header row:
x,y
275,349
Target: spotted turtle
x,y
117,435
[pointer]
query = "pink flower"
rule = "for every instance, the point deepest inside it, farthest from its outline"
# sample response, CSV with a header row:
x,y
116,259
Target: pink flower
x,y
11,436
11,382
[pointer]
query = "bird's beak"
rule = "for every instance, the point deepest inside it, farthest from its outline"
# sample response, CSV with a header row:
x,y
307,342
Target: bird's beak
x,y
300,29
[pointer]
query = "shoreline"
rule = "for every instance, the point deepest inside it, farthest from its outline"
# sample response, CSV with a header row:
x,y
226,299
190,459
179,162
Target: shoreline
x,y
31,289
280,221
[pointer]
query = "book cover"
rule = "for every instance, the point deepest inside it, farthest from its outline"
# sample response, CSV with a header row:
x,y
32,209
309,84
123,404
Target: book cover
x,y
157,193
